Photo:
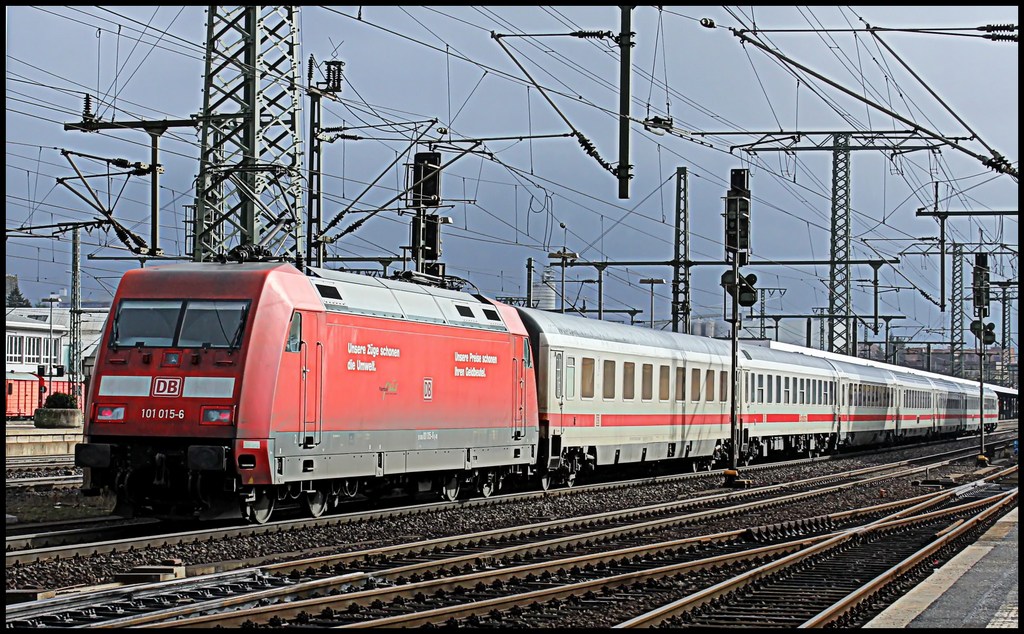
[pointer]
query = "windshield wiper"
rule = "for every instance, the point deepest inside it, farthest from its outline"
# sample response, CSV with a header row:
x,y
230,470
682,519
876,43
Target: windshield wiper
x,y
236,339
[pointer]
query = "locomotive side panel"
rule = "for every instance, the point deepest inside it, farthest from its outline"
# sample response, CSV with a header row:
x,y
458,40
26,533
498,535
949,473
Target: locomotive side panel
x,y
403,397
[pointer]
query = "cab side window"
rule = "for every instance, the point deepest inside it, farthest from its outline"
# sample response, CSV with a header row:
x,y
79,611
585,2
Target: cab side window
x,y
294,334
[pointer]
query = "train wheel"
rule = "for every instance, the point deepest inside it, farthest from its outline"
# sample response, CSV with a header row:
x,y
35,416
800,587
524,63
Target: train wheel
x,y
545,481
570,479
488,484
350,488
450,489
316,503
260,510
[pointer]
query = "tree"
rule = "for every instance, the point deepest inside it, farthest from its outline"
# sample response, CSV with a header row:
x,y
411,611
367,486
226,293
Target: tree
x,y
15,299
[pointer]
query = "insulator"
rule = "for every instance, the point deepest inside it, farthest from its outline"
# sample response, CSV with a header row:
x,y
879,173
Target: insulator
x,y
309,72
1000,37
591,34
87,109
707,23
997,27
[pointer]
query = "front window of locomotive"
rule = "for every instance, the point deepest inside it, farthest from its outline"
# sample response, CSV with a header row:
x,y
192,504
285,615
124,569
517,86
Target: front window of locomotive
x,y
180,323
213,324
149,323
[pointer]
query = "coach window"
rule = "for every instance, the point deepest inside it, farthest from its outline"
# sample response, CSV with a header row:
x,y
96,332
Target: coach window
x,y
663,374
608,378
760,388
771,397
695,384
723,386
570,377
294,334
527,356
709,386
647,382
680,385
587,378
628,381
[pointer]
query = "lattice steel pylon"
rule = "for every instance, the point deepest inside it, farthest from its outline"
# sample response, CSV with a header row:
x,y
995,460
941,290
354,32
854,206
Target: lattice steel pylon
x,y
249,187
957,314
75,338
681,269
839,275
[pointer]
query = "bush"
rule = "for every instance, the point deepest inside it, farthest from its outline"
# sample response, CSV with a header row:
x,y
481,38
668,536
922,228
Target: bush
x,y
61,400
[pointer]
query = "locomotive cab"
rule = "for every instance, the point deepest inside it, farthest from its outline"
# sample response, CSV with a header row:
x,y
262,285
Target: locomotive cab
x,y
162,410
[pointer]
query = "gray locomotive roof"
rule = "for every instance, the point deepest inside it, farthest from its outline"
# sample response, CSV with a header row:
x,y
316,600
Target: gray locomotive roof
x,y
362,294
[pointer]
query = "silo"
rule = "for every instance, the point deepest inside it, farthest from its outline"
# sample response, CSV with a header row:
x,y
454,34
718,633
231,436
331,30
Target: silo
x,y
709,328
544,295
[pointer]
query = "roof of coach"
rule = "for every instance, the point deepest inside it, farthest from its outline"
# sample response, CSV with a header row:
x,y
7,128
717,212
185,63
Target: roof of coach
x,y
763,354
1001,389
541,321
570,325
941,381
381,297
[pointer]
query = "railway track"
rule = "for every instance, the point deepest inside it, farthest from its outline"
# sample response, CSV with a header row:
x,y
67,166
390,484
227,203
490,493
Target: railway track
x,y
45,483
33,463
484,574
56,534
210,533
828,583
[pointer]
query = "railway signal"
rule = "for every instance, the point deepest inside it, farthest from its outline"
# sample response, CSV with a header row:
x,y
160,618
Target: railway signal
x,y
741,287
426,178
983,331
737,217
989,336
747,293
981,285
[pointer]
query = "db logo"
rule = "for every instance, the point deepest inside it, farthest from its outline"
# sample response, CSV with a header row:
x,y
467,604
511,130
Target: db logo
x,y
167,386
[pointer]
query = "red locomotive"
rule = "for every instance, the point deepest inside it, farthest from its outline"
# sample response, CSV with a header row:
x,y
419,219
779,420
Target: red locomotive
x,y
219,386
222,389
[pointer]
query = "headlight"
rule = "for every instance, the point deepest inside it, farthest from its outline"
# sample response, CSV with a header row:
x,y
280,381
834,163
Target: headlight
x,y
110,413
216,416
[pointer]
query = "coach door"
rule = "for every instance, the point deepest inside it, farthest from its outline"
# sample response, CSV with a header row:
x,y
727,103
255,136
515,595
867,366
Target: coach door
x,y
311,354
520,363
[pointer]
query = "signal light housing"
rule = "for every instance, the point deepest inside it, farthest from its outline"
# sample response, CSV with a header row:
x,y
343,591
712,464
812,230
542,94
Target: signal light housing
x,y
217,415
109,413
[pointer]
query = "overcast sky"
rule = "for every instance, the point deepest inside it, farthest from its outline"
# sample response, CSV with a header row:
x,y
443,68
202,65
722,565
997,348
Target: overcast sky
x,y
412,64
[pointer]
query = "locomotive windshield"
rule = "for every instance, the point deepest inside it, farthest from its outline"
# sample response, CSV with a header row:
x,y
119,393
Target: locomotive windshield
x,y
179,324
